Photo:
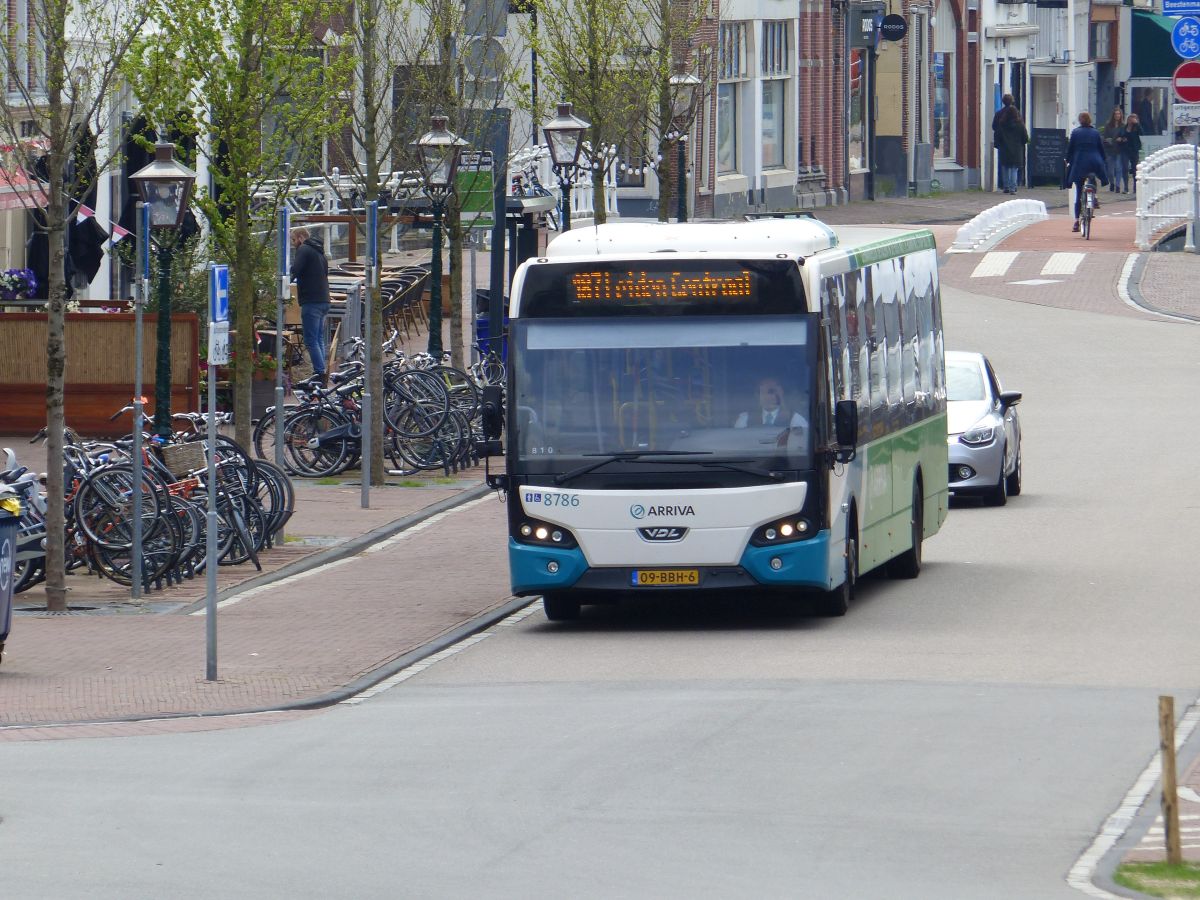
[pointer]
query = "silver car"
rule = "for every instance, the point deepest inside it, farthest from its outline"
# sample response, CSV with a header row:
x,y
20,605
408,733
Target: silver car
x,y
984,433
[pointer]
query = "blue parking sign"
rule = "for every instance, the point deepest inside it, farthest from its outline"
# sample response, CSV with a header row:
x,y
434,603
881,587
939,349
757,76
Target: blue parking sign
x,y
218,293
1185,37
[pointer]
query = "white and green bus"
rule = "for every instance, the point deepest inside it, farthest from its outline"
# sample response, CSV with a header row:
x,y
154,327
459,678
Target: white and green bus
x,y
744,406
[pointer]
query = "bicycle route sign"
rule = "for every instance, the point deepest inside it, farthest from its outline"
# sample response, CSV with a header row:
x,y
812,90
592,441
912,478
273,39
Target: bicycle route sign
x,y
1185,37
218,315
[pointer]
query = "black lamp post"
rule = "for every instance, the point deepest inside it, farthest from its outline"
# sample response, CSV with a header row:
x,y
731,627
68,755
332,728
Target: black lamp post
x,y
683,97
165,186
564,136
439,150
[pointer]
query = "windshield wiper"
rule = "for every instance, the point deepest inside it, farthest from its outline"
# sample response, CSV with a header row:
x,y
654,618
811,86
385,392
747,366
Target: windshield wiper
x,y
732,466
628,456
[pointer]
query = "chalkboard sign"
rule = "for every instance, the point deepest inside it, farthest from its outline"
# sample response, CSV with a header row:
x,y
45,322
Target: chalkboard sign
x,y
1047,151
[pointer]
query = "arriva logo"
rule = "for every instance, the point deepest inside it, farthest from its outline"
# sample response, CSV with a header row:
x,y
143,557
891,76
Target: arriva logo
x,y
640,512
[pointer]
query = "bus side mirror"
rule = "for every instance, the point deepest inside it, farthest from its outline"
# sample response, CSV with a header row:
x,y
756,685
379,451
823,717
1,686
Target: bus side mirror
x,y
845,426
492,412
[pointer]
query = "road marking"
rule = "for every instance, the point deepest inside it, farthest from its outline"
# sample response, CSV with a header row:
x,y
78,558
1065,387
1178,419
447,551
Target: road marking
x,y
1115,826
1035,282
419,667
374,548
994,263
415,669
1063,263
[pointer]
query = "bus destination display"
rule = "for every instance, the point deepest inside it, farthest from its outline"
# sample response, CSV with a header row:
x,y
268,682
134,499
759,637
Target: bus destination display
x,y
636,286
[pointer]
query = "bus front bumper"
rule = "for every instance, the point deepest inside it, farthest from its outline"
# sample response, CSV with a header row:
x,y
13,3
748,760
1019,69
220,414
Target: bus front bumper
x,y
801,564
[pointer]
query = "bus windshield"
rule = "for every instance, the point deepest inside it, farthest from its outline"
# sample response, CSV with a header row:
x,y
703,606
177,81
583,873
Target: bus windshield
x,y
697,390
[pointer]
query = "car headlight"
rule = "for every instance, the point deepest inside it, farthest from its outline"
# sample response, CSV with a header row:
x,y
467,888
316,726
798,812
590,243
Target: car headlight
x,y
978,435
783,531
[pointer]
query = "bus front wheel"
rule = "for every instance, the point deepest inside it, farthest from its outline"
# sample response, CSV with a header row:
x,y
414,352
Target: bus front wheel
x,y
560,607
837,601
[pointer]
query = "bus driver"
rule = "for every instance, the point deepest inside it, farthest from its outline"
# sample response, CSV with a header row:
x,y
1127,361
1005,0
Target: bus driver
x,y
771,409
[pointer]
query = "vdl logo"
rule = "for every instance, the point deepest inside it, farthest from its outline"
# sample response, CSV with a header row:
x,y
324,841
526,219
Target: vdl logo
x,y
637,511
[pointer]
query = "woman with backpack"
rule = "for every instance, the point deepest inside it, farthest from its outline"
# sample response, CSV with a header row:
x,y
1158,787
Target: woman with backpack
x,y
1010,137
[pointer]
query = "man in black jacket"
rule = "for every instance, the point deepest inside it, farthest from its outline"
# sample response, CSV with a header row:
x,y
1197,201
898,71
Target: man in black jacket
x,y
310,271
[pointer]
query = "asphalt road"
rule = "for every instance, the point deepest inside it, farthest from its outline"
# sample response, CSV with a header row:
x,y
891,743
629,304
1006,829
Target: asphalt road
x,y
960,736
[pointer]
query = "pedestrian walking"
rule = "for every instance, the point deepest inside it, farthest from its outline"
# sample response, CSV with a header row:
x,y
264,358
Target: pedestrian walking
x,y
1085,156
1131,149
1114,159
310,271
1010,137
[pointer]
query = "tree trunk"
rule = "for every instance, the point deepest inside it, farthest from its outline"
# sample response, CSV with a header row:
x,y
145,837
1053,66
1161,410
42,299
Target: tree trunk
x,y
599,213
56,365
243,315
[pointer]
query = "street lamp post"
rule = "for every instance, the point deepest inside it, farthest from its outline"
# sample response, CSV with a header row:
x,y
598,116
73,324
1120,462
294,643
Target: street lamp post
x,y
684,86
564,137
439,150
165,186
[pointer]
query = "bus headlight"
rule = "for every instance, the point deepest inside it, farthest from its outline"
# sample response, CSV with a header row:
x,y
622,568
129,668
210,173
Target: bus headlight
x,y
783,531
543,534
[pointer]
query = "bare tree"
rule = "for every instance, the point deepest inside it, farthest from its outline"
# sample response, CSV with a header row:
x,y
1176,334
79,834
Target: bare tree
x,y
254,83
62,67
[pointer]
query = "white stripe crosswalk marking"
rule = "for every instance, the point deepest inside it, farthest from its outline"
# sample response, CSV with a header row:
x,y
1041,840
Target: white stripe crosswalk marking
x,y
994,264
1063,263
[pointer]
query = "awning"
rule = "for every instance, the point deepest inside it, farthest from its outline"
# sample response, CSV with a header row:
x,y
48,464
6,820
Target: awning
x,y
1153,55
19,191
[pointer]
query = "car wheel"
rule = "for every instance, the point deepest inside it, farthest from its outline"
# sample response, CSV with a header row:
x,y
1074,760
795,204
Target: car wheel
x,y
998,495
560,607
835,603
908,563
1013,482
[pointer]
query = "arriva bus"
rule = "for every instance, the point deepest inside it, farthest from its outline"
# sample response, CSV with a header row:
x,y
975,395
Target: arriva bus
x,y
742,406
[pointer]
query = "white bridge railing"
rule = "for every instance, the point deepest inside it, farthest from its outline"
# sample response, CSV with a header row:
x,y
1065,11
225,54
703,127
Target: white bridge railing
x,y
1164,192
535,161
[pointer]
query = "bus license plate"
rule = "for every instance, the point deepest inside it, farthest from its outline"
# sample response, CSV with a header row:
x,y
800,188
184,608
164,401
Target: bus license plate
x,y
665,577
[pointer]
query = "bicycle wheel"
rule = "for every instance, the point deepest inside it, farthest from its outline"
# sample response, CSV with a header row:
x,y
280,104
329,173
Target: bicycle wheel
x,y
160,552
276,495
415,403
104,506
1086,225
301,450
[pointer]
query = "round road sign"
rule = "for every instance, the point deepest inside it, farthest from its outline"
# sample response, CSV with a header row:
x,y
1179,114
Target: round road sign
x,y
1186,82
1185,37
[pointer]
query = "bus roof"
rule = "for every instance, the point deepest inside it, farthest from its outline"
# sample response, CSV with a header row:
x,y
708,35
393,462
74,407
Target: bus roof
x,y
762,238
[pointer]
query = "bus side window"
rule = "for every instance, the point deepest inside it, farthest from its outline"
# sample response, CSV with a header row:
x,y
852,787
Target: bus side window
x,y
889,286
878,355
833,307
859,345
909,336
927,383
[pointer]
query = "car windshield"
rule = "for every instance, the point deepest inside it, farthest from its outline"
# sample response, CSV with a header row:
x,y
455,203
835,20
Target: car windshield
x,y
964,380
702,392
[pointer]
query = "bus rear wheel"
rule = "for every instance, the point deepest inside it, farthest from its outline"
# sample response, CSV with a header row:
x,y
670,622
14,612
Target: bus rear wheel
x,y
908,563
560,607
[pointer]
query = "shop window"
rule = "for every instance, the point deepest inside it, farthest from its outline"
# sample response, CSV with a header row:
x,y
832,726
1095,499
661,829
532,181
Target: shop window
x,y
859,102
1150,106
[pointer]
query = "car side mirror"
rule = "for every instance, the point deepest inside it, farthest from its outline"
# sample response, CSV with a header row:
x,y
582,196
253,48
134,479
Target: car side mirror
x,y
1009,398
845,427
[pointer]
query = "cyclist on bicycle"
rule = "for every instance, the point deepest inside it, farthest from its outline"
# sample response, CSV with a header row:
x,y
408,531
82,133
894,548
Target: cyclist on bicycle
x,y
1085,156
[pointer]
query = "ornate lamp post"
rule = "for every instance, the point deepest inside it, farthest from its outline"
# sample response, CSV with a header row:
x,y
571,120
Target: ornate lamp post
x,y
439,151
564,136
165,186
684,86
